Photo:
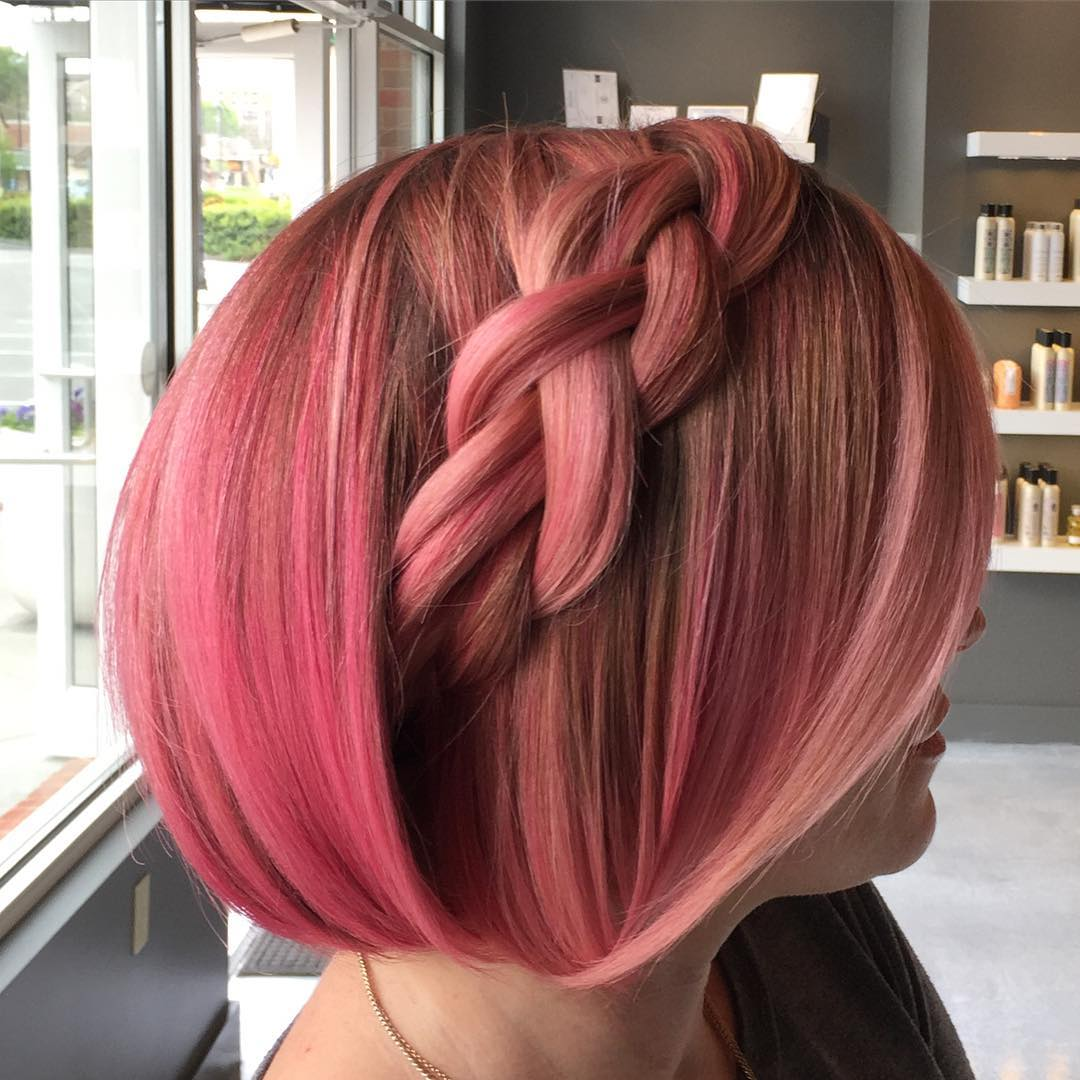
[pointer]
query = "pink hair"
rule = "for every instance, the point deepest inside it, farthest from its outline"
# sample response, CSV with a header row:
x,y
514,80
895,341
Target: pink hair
x,y
548,529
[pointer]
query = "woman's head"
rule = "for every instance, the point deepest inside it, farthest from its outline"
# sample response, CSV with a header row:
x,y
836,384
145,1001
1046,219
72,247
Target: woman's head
x,y
548,531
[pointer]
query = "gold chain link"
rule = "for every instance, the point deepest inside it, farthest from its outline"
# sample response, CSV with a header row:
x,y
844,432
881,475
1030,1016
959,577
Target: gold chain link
x,y
433,1072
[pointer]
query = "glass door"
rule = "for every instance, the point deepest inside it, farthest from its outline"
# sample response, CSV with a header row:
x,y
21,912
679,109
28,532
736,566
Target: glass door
x,y
81,351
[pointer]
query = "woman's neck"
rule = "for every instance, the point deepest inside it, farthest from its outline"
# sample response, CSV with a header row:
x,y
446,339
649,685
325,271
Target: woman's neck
x,y
505,1021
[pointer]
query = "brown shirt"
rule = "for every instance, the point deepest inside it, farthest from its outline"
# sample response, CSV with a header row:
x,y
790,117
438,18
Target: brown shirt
x,y
827,987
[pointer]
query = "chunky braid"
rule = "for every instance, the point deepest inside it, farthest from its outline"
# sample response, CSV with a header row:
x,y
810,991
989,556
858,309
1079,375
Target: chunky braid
x,y
606,265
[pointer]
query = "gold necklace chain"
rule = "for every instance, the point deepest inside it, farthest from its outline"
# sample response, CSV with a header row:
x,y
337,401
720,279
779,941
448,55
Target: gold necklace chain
x,y
726,1035
433,1072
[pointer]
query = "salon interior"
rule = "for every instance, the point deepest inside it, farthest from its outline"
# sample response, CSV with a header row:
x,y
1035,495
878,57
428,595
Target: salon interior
x,y
150,149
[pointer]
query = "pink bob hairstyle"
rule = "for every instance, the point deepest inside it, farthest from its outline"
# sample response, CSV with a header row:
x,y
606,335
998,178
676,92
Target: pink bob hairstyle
x,y
547,530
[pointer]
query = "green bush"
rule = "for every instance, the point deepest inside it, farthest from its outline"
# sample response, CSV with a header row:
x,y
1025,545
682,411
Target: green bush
x,y
236,227
80,216
15,219
236,224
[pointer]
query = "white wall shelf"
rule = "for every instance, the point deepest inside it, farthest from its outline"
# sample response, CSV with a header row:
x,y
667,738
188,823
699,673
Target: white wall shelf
x,y
1027,420
1010,555
1055,145
1018,292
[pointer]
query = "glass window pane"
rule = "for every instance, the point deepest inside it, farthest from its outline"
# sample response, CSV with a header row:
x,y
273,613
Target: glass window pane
x,y
48,532
404,115
256,170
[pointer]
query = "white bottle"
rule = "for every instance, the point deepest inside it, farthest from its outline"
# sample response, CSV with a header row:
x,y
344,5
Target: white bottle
x,y
985,242
1025,261
1004,242
1001,503
1029,515
1056,258
1064,364
1050,519
1074,241
1042,369
1039,266
1022,473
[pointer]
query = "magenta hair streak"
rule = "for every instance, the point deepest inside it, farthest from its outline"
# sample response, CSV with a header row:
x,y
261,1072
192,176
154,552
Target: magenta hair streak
x,y
547,530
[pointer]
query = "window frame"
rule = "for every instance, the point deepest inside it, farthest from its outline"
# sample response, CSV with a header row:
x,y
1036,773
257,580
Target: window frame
x,y
131,346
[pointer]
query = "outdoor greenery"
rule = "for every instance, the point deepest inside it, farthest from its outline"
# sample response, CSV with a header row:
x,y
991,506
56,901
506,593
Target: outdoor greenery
x,y
219,119
15,219
7,162
13,85
237,225
21,417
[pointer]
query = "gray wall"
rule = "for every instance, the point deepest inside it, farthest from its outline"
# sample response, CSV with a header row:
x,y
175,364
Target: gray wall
x,y
80,1005
676,53
907,117
1023,680
901,84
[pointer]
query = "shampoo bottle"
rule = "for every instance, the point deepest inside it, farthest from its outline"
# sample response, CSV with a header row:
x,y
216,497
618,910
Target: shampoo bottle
x,y
1074,241
1042,369
1051,508
1004,242
1001,503
1025,260
1029,514
985,242
1055,231
1022,474
1064,363
1039,262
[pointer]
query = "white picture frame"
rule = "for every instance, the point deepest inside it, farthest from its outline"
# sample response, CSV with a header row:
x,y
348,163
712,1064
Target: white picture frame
x,y
785,105
591,98
646,115
729,112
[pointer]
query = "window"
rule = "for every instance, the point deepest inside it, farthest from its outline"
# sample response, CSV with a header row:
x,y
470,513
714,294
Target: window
x,y
404,105
268,108
79,369
262,88
48,527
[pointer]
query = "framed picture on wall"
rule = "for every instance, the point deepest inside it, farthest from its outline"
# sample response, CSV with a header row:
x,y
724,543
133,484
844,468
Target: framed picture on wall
x,y
730,112
591,98
644,115
785,105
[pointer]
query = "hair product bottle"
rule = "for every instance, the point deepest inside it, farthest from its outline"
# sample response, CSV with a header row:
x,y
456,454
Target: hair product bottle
x,y
1064,363
1051,508
1055,232
1001,503
1072,534
1007,379
1042,369
1029,513
1025,259
1039,261
1005,240
1074,241
1022,474
986,242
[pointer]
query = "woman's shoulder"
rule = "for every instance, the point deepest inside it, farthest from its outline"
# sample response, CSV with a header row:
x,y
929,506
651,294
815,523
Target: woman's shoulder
x,y
849,925
834,974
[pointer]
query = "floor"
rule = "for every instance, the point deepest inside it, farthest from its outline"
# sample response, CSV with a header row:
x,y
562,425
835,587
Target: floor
x,y
992,909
